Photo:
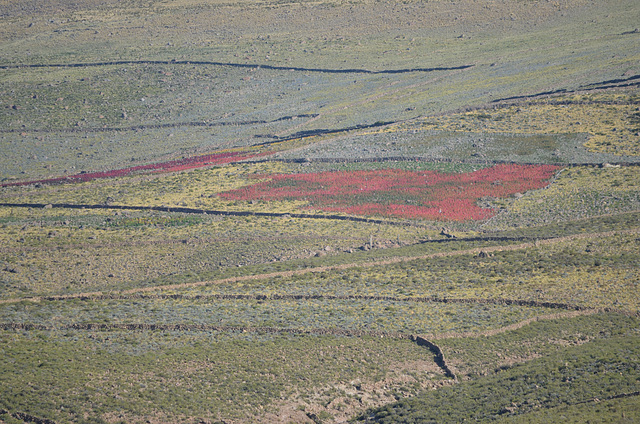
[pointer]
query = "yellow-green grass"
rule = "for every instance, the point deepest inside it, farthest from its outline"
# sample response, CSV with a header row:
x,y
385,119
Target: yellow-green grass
x,y
576,376
385,316
517,48
49,251
621,410
595,272
182,376
269,34
576,193
474,356
608,118
412,36
194,189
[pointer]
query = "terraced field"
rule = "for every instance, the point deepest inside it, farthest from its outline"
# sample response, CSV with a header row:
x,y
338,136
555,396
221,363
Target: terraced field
x,y
319,212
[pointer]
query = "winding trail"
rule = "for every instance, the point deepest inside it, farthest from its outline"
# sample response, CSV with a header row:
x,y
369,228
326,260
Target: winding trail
x,y
426,341
389,261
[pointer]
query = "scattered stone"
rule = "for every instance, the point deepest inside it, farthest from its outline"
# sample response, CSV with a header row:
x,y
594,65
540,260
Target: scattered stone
x,y
446,233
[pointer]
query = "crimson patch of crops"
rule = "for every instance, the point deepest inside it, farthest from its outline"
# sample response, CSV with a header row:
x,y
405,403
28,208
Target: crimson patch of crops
x,y
400,193
170,166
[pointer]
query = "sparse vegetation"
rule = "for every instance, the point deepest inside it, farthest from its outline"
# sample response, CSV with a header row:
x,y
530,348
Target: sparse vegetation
x,y
178,241
602,369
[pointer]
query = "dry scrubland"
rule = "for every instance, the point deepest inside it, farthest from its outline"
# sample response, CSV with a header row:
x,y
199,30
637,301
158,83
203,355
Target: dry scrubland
x,y
227,212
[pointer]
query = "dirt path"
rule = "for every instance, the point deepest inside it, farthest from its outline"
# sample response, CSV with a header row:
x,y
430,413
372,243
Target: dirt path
x,y
515,326
390,261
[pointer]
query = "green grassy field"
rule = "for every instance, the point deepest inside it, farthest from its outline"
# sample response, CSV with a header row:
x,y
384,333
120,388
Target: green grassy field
x,y
134,286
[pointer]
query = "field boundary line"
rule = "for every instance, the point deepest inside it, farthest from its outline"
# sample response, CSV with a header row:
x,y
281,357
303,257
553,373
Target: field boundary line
x,y
277,297
27,418
214,212
81,130
204,327
419,340
290,273
433,160
386,91
424,340
487,249
229,64
601,85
